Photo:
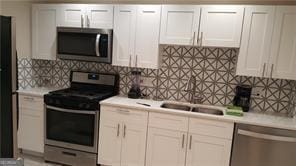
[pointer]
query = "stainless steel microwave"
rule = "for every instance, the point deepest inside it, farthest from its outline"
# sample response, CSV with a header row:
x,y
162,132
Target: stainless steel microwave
x,y
86,44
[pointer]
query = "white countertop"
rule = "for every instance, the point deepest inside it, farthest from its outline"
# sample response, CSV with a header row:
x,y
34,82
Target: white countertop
x,y
37,91
259,119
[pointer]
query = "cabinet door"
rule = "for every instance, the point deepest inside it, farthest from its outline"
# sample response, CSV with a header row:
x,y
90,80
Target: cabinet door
x,y
44,22
31,123
221,25
147,36
99,16
179,24
30,133
72,15
283,61
208,151
133,144
124,34
165,147
109,147
256,41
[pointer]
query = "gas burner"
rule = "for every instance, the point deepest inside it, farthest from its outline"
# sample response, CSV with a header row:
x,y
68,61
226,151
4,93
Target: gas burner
x,y
86,91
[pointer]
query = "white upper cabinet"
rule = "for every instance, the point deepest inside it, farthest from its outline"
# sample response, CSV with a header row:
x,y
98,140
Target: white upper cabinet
x,y
209,25
268,47
86,16
99,16
179,24
136,36
72,15
147,36
256,41
123,34
283,53
221,25
44,21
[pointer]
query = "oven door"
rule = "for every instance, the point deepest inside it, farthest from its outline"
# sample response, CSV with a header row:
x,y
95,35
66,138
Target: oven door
x,y
84,44
73,129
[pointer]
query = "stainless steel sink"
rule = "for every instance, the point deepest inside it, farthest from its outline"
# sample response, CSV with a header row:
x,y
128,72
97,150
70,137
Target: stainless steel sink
x,y
212,111
179,107
188,108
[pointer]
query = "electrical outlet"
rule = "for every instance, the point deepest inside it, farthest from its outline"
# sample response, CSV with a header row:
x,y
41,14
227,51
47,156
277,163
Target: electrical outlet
x,y
146,81
257,92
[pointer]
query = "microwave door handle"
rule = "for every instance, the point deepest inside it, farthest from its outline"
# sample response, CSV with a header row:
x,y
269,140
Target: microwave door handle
x,y
97,44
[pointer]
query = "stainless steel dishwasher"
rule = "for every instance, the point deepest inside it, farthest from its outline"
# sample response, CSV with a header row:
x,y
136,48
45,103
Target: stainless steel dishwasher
x,y
263,146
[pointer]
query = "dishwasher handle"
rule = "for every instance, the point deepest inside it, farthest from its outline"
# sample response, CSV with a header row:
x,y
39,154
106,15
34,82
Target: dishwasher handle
x,y
266,136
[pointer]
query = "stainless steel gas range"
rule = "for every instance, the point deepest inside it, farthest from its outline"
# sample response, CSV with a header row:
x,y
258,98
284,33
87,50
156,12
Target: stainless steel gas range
x,y
72,118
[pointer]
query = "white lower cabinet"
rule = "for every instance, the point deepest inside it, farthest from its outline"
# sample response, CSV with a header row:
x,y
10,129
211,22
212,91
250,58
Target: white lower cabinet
x,y
171,140
122,137
207,151
202,143
31,123
165,147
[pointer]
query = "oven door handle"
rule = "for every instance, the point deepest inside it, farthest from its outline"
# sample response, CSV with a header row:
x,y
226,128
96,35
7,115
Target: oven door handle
x,y
71,111
97,45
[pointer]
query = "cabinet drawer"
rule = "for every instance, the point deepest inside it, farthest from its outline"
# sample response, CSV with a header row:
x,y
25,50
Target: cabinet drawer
x,y
123,114
26,101
166,121
211,128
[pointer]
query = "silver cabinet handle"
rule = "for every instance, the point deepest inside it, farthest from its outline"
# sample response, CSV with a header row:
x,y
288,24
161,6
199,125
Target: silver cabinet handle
x,y
130,60
201,38
266,136
183,140
97,45
193,38
118,127
29,98
123,111
136,63
88,22
271,72
124,131
82,21
263,73
190,141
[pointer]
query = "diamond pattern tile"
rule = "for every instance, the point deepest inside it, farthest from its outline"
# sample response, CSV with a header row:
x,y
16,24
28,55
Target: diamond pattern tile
x,y
214,69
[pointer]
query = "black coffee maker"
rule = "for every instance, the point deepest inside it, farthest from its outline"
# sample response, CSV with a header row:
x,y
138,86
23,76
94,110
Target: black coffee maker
x,y
242,97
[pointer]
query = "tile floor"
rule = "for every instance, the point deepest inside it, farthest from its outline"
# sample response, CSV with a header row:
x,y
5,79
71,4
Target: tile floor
x,y
30,160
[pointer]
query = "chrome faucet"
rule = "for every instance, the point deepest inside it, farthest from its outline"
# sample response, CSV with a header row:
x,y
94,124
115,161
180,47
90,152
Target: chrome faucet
x,y
191,88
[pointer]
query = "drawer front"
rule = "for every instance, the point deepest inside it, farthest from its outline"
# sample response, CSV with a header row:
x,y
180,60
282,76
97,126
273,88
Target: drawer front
x,y
167,121
211,128
124,114
31,102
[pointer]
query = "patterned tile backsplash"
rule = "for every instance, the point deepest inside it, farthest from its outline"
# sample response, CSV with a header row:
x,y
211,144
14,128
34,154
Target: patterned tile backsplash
x,y
214,69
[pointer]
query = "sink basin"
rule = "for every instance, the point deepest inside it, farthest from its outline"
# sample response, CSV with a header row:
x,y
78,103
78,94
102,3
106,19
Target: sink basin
x,y
191,108
212,111
179,107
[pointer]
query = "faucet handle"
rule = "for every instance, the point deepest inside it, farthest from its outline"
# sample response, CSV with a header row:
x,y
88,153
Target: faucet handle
x,y
188,86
